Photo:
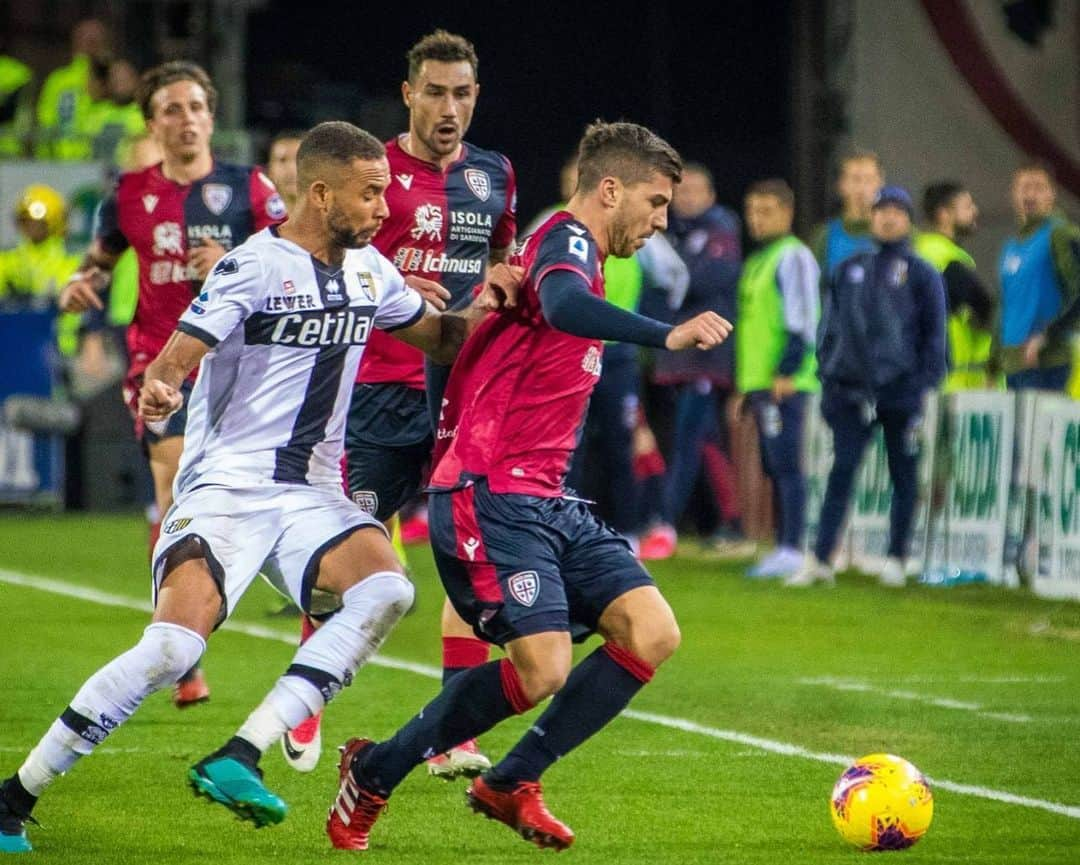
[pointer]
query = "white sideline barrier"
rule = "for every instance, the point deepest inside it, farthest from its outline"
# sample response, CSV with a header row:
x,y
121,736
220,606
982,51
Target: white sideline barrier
x,y
999,491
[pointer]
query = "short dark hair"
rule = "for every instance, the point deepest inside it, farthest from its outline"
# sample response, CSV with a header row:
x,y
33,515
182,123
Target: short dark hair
x,y
444,47
776,187
283,135
336,142
624,150
858,154
153,80
938,195
1039,165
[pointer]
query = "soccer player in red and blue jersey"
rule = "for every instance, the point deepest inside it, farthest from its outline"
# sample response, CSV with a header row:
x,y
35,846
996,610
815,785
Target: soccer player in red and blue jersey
x,y
181,216
526,565
451,214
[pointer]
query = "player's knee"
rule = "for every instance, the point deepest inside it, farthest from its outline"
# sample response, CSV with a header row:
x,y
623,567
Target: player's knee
x,y
165,652
386,594
540,683
656,643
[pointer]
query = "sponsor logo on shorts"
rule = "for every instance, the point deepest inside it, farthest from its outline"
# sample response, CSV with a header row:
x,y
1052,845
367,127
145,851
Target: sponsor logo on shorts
x,y
525,587
176,525
470,546
366,500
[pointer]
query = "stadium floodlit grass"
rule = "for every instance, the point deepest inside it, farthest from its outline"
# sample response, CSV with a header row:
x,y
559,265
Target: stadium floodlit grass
x,y
975,686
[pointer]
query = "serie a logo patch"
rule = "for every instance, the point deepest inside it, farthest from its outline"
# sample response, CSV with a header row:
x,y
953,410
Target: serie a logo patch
x,y
525,587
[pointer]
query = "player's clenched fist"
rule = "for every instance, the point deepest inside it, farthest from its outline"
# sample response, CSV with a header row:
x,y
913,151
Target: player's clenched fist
x,y
158,400
81,291
703,331
501,286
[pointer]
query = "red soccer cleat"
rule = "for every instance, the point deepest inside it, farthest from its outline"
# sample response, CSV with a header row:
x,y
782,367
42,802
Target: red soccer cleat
x,y
187,692
658,543
355,810
414,529
523,810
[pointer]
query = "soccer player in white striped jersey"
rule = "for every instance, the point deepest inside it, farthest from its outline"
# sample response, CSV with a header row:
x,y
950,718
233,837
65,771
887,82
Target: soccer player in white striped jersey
x,y
279,330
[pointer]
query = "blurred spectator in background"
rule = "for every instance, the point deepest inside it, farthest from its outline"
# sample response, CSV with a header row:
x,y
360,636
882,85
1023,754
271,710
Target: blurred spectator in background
x,y
1040,286
115,117
951,215
16,106
33,273
707,237
281,165
775,363
860,179
881,348
65,104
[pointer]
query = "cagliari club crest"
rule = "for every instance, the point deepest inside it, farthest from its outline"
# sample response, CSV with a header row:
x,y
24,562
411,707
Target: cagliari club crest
x,y
525,587
479,182
216,197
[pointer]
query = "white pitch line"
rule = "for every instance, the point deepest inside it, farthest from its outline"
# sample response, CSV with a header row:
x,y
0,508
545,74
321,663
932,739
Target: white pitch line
x,y
914,697
771,746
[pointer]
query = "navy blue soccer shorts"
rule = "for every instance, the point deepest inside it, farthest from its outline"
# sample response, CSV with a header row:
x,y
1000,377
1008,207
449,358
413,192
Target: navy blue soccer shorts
x,y
388,443
514,565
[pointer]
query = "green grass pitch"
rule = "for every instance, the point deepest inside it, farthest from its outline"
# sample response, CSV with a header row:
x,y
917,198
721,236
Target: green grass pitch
x,y
727,757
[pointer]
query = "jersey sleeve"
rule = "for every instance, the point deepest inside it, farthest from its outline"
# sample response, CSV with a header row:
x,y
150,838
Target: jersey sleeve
x,y
399,306
234,290
267,206
566,247
506,228
107,225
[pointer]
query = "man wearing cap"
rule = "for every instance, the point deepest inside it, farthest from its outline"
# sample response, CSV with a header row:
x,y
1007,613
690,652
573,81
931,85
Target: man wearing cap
x,y
881,348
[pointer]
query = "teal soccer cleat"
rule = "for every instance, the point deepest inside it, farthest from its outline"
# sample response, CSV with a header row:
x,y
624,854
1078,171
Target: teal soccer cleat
x,y
13,830
238,787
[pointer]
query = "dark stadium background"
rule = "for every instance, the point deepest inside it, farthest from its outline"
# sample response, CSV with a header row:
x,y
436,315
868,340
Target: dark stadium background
x,y
714,81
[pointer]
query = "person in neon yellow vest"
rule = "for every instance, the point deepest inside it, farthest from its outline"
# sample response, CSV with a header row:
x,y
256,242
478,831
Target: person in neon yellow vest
x,y
66,101
775,363
951,215
16,107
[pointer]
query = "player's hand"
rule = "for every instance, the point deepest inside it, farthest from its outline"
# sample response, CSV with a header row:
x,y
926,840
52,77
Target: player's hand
x,y
430,290
82,291
1032,347
157,401
203,257
703,331
501,287
783,386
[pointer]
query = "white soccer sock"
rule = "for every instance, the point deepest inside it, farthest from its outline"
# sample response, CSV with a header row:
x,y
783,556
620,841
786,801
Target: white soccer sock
x,y
108,698
327,661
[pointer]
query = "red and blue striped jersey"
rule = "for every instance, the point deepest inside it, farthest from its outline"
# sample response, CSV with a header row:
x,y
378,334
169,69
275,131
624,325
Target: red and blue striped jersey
x,y
517,394
162,220
442,226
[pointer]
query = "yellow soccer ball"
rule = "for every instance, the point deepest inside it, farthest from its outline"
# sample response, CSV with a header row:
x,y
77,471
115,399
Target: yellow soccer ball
x,y
881,802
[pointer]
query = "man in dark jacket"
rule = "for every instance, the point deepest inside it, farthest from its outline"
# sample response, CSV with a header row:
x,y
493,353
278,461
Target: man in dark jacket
x,y
881,348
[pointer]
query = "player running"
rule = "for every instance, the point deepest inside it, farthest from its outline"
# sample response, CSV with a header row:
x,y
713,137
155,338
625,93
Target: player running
x,y
279,329
181,216
452,212
528,567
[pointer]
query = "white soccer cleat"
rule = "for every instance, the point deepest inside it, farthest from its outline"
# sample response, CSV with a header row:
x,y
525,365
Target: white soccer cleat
x,y
302,745
812,571
464,761
893,575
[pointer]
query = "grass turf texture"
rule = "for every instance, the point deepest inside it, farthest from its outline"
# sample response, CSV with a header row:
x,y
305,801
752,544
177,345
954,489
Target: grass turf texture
x,y
636,793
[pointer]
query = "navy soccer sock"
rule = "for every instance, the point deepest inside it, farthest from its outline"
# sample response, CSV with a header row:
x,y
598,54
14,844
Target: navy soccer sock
x,y
470,703
596,691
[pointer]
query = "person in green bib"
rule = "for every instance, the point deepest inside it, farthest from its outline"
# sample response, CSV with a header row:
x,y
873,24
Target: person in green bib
x,y
951,215
775,363
16,107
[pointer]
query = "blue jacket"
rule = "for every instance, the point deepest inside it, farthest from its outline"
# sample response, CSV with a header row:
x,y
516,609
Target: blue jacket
x,y
882,331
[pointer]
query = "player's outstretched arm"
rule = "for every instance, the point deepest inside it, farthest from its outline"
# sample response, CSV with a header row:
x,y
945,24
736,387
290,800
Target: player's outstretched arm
x,y
82,291
440,335
160,394
570,306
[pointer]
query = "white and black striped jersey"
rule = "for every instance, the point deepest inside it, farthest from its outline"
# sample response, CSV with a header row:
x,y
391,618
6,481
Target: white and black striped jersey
x,y
287,334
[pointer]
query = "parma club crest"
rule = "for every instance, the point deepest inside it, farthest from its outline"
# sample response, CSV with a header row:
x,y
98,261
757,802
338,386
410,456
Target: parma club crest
x,y
524,587
479,183
216,197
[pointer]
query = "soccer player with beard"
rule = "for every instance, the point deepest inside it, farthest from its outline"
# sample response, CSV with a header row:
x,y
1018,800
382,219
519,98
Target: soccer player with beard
x,y
279,330
452,212
525,564
181,216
